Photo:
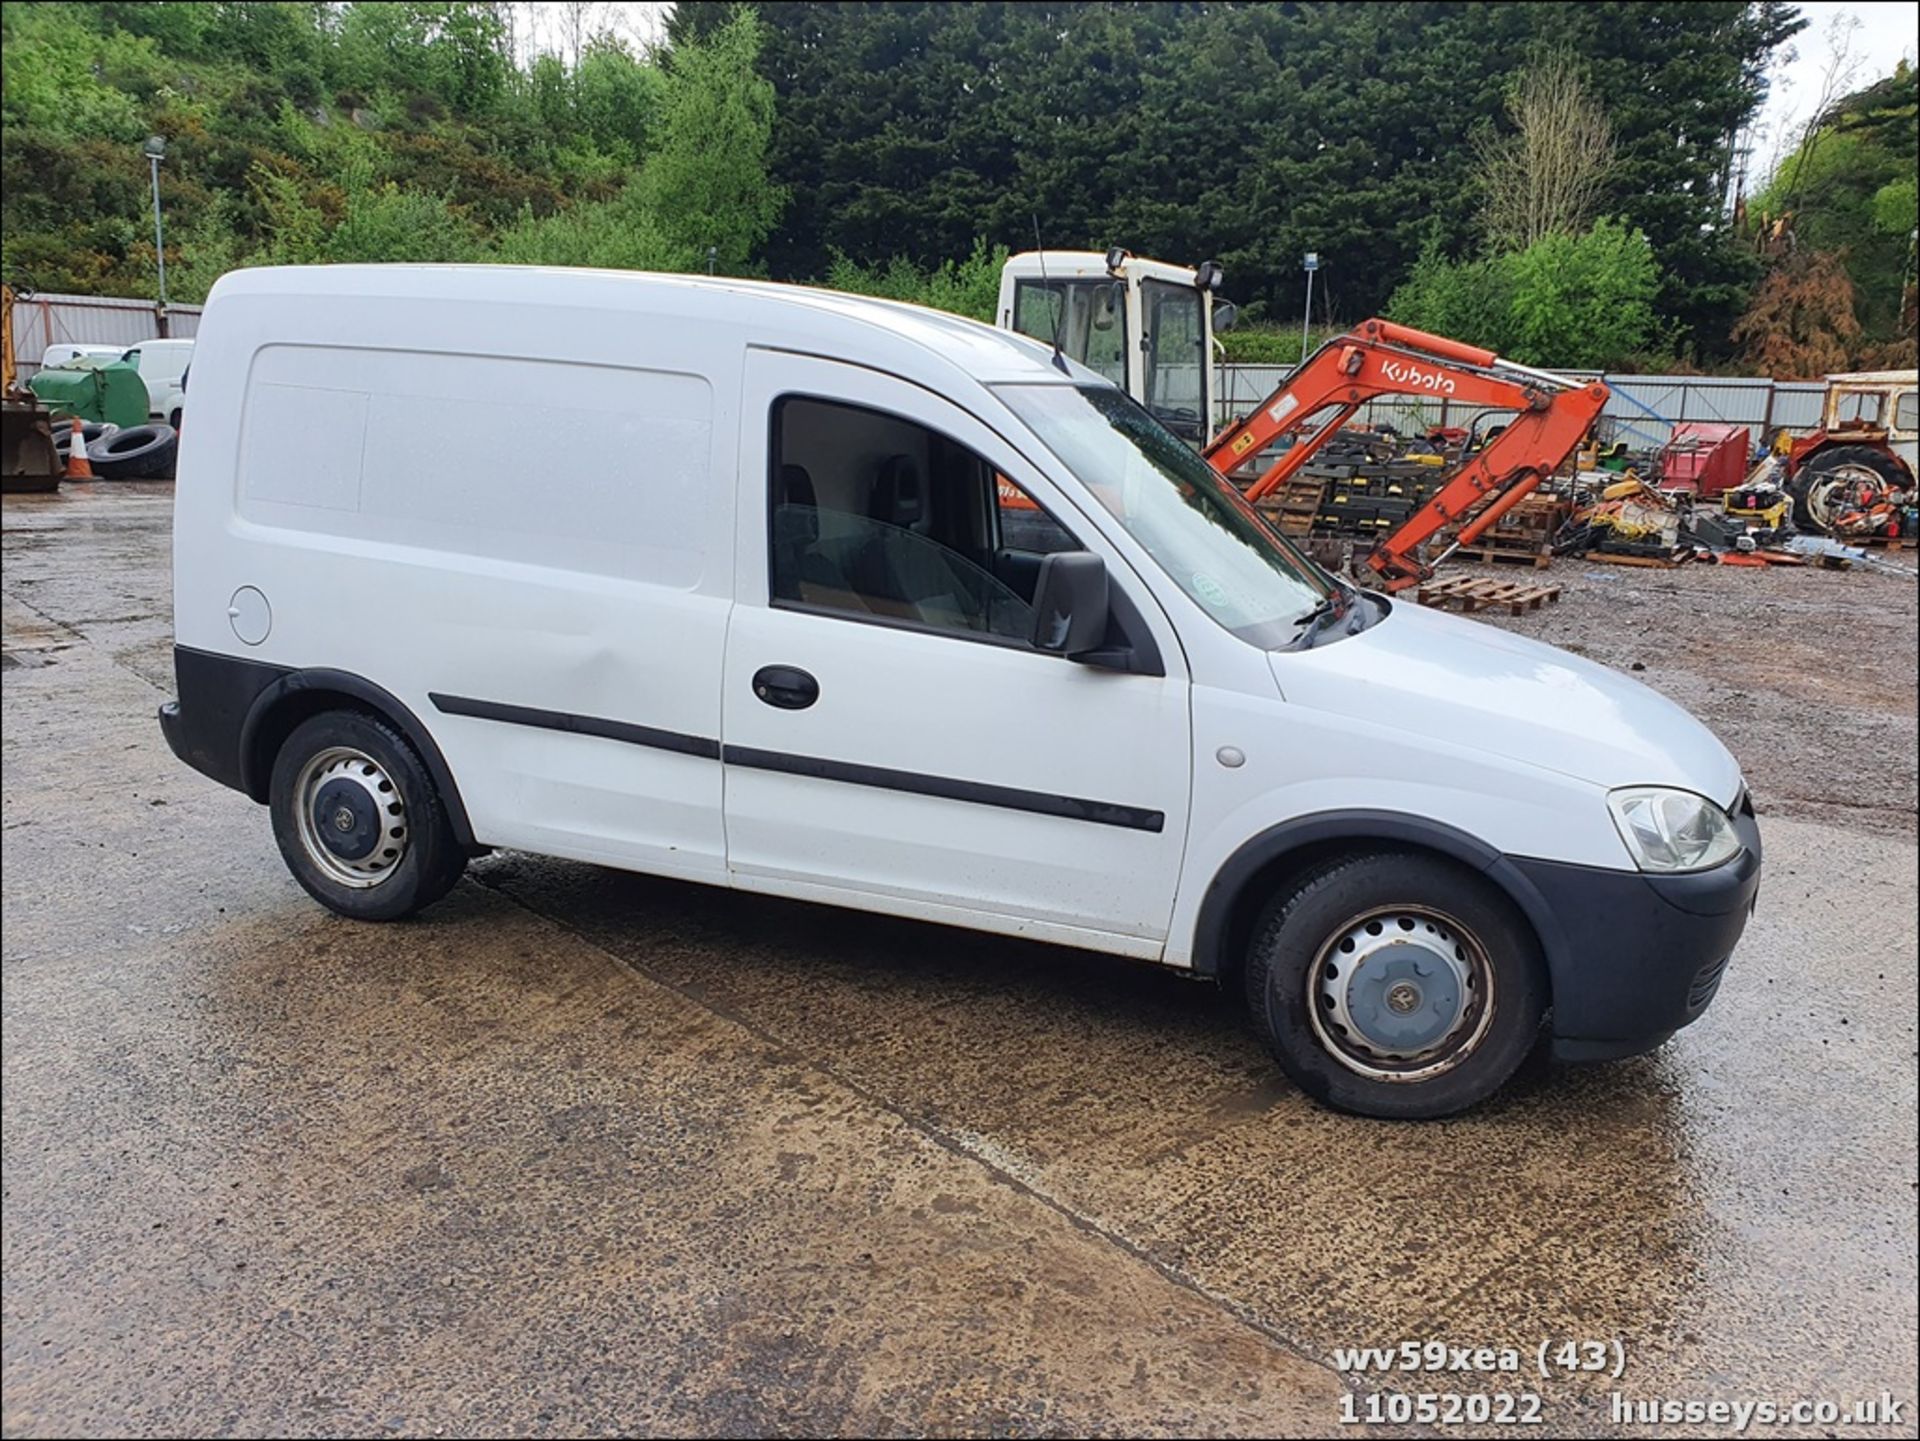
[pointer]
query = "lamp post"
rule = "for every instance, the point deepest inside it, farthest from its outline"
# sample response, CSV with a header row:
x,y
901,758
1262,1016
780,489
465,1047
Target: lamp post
x,y
156,150
1312,263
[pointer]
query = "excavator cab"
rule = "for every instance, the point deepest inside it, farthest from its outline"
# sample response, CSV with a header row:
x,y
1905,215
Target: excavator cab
x,y
1146,325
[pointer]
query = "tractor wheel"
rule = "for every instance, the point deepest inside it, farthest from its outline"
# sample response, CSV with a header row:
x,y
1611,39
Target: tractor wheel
x,y
1841,479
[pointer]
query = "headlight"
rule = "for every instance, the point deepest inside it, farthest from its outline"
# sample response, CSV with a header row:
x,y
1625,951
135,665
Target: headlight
x,y
1669,830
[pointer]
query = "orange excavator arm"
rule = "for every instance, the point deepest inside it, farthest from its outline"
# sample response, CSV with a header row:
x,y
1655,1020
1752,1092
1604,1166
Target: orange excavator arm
x,y
1379,358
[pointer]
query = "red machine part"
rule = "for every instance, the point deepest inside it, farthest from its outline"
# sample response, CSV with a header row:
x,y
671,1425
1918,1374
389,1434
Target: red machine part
x,y
1379,358
1705,457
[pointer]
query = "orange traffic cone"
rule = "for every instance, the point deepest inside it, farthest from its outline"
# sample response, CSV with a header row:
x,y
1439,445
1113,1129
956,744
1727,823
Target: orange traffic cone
x,y
77,467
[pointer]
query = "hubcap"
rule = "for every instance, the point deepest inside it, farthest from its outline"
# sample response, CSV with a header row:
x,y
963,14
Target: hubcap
x,y
352,820
1401,994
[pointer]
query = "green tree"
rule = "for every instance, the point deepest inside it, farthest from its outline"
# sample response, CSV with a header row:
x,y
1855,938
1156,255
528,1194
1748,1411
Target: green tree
x,y
969,287
1573,301
618,100
1848,190
1471,300
1582,300
706,186
1249,133
620,234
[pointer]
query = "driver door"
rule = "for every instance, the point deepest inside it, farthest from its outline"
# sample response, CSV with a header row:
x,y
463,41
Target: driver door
x,y
891,738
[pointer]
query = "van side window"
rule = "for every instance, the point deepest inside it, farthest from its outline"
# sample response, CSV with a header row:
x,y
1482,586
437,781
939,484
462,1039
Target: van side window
x,y
1906,410
878,517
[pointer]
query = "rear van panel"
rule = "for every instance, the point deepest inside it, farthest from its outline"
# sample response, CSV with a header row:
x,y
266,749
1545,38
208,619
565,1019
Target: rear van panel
x,y
489,528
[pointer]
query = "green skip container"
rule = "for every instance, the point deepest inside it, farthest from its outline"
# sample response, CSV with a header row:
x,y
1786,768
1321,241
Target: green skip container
x,y
111,392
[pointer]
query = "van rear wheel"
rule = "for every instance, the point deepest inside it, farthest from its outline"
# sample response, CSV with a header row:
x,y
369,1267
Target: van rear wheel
x,y
1394,985
358,820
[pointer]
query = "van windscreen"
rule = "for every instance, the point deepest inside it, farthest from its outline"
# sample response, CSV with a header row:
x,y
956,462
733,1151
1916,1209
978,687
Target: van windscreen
x,y
1190,519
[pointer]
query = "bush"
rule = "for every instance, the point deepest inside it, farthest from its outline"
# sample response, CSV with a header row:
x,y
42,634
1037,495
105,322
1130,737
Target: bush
x,y
1582,300
618,234
1469,300
1574,301
969,287
1271,344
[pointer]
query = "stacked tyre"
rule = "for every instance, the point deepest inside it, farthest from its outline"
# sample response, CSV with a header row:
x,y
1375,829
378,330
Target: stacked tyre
x,y
140,452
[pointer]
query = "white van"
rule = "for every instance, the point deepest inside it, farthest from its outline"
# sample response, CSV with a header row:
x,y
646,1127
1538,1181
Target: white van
x,y
870,605
163,366
64,353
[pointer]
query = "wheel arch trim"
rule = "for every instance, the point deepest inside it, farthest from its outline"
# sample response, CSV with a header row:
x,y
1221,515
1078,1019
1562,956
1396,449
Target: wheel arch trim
x,y
1221,905
256,774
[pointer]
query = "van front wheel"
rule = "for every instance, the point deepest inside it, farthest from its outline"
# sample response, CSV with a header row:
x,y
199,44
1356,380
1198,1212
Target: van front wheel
x,y
1396,985
358,820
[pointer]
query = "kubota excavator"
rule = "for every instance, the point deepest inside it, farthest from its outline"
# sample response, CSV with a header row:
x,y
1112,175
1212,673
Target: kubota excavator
x,y
1379,358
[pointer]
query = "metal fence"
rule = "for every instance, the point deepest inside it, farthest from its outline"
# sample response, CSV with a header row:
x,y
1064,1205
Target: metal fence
x,y
43,320
1642,410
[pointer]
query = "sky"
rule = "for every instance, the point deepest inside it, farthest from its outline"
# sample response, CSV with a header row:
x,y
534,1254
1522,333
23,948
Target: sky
x,y
1875,35
1871,35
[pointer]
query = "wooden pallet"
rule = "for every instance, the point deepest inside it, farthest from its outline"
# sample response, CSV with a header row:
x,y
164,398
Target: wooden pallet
x,y
1537,556
1295,504
1473,593
1648,562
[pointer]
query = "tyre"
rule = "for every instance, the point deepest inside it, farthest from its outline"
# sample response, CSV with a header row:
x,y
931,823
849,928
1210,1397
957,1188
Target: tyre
x,y
92,429
1840,480
358,818
140,452
1396,985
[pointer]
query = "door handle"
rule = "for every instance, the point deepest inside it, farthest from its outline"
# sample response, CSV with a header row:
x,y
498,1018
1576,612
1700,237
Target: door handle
x,y
785,686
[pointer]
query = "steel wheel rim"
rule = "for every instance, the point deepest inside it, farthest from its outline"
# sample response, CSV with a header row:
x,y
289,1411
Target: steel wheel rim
x,y
1840,482
338,785
1371,958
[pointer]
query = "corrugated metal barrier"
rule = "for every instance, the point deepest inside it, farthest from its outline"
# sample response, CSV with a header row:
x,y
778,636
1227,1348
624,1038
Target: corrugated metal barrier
x,y
1642,410
43,320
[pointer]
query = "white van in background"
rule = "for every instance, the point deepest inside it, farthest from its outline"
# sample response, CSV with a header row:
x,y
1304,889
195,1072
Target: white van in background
x,y
55,356
162,364
787,638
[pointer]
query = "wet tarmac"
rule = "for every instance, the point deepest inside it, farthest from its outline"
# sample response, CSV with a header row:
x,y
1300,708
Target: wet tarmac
x,y
585,1152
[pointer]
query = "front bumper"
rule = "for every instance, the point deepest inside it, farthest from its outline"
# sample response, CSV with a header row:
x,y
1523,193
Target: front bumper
x,y
1640,955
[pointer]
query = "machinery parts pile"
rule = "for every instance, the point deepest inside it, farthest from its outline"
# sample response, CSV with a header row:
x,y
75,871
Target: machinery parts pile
x,y
1642,523
1628,517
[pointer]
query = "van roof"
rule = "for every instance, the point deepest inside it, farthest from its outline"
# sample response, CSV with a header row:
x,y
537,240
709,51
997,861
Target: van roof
x,y
790,313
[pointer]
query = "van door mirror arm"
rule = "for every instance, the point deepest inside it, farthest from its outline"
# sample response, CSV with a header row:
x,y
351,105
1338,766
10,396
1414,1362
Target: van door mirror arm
x,y
1122,658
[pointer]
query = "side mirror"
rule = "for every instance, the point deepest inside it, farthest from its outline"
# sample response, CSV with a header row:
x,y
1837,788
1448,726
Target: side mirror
x,y
1225,316
1070,603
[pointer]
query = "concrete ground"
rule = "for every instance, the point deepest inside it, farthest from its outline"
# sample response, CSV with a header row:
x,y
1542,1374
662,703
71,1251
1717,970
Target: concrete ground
x,y
583,1152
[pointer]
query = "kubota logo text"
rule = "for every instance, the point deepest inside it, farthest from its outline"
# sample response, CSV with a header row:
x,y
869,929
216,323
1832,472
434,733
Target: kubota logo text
x,y
1414,378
